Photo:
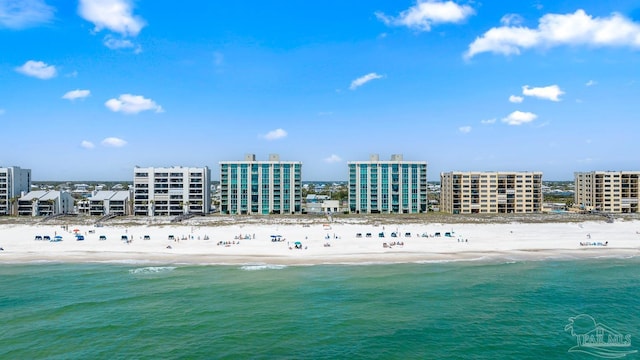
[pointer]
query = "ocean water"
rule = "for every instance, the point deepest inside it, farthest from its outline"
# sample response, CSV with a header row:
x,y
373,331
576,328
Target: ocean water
x,y
461,310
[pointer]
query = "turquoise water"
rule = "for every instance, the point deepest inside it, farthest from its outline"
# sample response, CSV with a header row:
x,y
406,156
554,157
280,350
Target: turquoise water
x,y
478,310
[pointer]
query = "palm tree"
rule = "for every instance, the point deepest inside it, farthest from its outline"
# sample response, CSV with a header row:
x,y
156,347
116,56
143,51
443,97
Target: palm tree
x,y
34,207
12,206
153,209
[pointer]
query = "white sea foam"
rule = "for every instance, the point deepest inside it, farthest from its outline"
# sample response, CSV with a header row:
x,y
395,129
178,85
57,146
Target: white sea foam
x,y
151,270
262,267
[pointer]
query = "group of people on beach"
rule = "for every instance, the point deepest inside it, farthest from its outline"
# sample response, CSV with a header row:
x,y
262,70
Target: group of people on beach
x,y
392,244
228,243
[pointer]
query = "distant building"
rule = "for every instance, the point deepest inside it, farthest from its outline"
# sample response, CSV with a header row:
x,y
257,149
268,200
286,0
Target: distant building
x,y
45,203
491,192
393,186
14,182
171,191
330,206
608,191
324,206
110,203
316,198
260,187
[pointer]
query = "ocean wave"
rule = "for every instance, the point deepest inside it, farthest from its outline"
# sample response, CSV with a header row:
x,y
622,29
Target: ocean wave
x,y
151,270
262,267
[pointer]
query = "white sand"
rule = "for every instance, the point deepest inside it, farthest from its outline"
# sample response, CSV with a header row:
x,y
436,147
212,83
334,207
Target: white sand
x,y
515,241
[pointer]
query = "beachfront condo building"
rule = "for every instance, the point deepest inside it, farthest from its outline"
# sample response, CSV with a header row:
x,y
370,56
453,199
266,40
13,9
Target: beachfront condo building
x,y
45,203
171,191
109,202
14,182
608,191
260,187
393,186
490,192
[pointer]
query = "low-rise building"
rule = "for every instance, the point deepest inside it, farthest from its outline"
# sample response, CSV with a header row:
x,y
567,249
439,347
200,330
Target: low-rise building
x,y
45,203
110,203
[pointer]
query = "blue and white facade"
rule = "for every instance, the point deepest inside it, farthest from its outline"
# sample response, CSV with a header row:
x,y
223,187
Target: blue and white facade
x,y
260,187
393,186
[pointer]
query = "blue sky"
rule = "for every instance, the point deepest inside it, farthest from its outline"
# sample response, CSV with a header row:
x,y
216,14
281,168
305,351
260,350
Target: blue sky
x,y
91,88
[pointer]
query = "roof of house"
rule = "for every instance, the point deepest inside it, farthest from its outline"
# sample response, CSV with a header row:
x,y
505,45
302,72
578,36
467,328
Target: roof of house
x,y
41,195
110,195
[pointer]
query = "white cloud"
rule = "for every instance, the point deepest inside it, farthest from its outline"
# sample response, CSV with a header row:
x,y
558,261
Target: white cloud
x,y
132,104
113,142
465,129
87,144
591,83
37,69
21,14
488,121
115,44
114,15
515,99
578,28
275,134
424,14
76,94
333,159
519,118
511,19
363,80
551,92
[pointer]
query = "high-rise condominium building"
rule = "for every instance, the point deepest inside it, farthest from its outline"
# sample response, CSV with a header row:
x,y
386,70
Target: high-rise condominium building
x,y
393,186
491,192
14,182
171,191
609,191
260,187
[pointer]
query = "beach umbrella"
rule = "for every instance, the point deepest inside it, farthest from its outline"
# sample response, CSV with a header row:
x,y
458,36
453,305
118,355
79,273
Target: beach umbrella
x,y
76,230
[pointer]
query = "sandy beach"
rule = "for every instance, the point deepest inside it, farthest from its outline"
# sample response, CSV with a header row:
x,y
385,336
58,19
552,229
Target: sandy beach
x,y
338,242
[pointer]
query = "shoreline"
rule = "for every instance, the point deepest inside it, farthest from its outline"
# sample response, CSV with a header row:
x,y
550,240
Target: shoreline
x,y
273,242
356,260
